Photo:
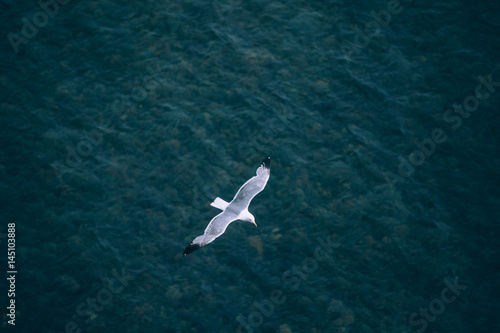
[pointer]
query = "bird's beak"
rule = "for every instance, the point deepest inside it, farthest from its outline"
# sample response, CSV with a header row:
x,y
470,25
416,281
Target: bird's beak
x,y
255,224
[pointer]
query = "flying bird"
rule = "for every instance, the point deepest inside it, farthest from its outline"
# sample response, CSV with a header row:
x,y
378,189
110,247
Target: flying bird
x,y
237,209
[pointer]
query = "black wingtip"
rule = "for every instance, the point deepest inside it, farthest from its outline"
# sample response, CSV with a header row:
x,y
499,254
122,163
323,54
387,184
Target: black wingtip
x,y
191,248
267,162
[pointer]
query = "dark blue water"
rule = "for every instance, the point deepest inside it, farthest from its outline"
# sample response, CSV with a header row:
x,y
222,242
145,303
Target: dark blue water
x,y
122,121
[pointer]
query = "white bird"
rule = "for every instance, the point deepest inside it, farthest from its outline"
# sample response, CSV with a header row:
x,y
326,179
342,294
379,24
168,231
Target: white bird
x,y
237,209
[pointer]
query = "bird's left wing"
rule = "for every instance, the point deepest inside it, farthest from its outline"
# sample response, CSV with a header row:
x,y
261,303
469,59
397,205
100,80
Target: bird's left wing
x,y
214,229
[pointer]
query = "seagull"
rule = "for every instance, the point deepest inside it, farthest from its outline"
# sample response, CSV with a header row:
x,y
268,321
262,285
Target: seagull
x,y
237,209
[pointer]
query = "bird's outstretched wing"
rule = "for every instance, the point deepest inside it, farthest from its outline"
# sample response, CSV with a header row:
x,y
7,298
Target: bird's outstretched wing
x,y
214,229
252,187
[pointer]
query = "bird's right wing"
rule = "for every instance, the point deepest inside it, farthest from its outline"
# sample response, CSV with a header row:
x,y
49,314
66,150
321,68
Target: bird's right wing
x,y
253,186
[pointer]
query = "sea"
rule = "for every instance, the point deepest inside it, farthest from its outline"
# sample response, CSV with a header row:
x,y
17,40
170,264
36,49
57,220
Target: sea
x,y
123,121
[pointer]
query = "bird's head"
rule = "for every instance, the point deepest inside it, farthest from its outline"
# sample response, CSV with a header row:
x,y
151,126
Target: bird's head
x,y
248,217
